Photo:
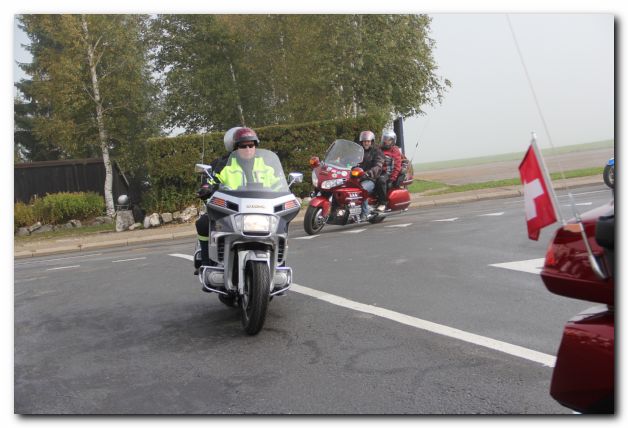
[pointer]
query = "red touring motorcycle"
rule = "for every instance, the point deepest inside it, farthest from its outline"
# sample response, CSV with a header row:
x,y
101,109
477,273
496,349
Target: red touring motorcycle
x,y
581,266
338,195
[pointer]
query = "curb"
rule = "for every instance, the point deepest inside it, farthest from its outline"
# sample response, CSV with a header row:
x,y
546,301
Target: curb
x,y
416,201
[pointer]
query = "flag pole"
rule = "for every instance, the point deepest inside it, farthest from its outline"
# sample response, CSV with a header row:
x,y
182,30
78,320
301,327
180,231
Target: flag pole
x,y
547,179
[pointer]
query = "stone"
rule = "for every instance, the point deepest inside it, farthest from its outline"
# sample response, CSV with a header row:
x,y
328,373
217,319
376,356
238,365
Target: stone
x,y
188,214
124,219
176,216
44,228
154,220
146,222
23,231
76,223
34,227
135,226
166,218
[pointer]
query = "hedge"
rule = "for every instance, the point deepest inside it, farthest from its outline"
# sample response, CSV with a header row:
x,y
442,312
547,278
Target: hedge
x,y
171,159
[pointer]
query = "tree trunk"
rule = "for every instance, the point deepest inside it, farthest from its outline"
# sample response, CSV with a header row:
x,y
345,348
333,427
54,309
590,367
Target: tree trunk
x,y
102,132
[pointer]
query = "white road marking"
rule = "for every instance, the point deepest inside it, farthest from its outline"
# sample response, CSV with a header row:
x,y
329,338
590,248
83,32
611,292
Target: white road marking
x,y
354,231
585,204
491,214
128,260
448,219
64,267
183,256
306,237
19,281
515,350
56,260
399,225
530,266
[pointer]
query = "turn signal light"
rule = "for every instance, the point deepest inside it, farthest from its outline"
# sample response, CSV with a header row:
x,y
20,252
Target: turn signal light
x,y
357,172
314,161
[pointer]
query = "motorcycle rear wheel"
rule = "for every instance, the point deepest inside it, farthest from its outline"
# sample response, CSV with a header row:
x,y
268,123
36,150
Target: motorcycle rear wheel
x,y
313,222
254,302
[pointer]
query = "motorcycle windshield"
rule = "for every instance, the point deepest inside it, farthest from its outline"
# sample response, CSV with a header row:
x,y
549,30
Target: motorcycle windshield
x,y
253,170
344,154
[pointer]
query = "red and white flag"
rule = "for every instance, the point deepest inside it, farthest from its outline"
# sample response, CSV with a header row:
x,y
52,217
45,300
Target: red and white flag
x,y
539,205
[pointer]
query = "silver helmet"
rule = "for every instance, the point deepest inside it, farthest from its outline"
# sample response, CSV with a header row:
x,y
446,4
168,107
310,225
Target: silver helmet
x,y
229,138
367,136
388,135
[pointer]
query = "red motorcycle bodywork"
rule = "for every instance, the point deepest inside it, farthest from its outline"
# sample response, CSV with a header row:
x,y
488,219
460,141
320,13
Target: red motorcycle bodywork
x,y
583,377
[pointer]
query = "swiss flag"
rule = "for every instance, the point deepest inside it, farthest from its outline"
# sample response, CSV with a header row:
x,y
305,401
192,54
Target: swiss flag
x,y
538,203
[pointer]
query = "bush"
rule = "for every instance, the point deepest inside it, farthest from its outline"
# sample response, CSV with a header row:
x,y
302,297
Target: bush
x,y
61,207
171,160
23,215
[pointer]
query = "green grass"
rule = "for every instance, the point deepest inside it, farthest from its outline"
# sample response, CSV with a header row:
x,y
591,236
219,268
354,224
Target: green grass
x,y
548,152
442,188
67,233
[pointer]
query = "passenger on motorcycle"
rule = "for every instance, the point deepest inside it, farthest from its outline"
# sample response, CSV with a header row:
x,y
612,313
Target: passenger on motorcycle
x,y
205,191
392,155
372,164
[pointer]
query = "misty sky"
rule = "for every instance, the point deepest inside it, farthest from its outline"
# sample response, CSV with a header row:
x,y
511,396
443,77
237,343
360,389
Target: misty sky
x,y
490,108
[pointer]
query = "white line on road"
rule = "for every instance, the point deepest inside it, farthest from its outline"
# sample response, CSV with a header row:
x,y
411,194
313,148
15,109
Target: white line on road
x,y
491,214
447,219
56,260
517,351
354,231
399,225
530,266
64,267
183,256
585,204
306,237
128,260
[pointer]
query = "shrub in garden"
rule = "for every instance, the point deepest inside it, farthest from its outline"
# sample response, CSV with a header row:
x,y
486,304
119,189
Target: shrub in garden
x,y
59,208
23,215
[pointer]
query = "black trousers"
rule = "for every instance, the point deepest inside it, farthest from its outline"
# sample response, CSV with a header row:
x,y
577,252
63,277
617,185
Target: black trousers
x,y
381,187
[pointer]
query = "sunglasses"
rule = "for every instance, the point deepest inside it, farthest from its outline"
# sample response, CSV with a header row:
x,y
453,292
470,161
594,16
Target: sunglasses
x,y
246,146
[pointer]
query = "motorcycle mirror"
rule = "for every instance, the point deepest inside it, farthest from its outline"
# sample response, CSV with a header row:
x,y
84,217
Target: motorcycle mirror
x,y
199,167
295,177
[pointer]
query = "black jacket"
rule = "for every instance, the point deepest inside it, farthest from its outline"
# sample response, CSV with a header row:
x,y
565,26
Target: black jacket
x,y
373,162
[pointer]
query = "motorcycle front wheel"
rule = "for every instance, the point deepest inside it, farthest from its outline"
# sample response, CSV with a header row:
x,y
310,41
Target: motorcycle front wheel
x,y
609,176
313,221
254,301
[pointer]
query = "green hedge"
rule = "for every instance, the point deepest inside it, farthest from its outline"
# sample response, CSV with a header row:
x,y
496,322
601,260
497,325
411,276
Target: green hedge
x,y
23,215
61,207
171,160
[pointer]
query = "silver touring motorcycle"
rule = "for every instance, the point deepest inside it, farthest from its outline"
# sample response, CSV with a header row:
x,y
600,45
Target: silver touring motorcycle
x,y
248,240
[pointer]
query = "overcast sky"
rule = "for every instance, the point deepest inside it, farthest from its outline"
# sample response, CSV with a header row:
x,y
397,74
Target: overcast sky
x,y
490,108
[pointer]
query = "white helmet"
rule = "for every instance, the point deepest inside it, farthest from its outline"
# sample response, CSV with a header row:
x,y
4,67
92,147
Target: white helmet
x,y
389,135
229,138
367,136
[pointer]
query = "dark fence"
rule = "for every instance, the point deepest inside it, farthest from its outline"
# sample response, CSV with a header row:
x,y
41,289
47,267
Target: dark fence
x,y
78,175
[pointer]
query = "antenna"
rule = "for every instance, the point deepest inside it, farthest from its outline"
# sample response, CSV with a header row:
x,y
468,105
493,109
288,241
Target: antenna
x,y
592,260
203,152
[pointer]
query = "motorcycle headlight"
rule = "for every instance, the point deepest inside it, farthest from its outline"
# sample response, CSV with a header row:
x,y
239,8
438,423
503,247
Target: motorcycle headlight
x,y
256,223
328,184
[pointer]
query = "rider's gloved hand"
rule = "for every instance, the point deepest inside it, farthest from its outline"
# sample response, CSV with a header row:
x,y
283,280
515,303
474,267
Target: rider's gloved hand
x,y
205,191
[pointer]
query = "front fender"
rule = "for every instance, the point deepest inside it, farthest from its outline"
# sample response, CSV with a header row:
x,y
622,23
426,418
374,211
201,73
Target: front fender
x,y
323,202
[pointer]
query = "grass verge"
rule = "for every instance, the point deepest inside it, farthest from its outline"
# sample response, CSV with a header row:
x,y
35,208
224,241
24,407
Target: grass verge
x,y
67,233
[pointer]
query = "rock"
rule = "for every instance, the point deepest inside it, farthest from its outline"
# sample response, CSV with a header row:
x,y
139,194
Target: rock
x,y
154,220
146,222
166,218
34,227
75,223
188,214
23,231
124,219
176,216
44,228
135,226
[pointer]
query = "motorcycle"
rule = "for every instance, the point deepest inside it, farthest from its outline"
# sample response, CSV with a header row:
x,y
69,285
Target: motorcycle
x,y
580,264
338,195
248,241
609,173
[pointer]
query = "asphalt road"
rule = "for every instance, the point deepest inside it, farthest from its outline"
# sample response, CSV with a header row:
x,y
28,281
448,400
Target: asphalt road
x,y
404,317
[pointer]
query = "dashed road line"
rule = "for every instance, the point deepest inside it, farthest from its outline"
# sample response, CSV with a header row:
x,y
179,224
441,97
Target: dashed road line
x,y
306,237
128,260
64,267
491,214
399,225
354,231
447,219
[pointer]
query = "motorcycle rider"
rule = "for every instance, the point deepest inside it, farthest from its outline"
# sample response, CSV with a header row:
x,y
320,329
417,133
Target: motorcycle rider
x,y
392,155
372,164
245,166
205,191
